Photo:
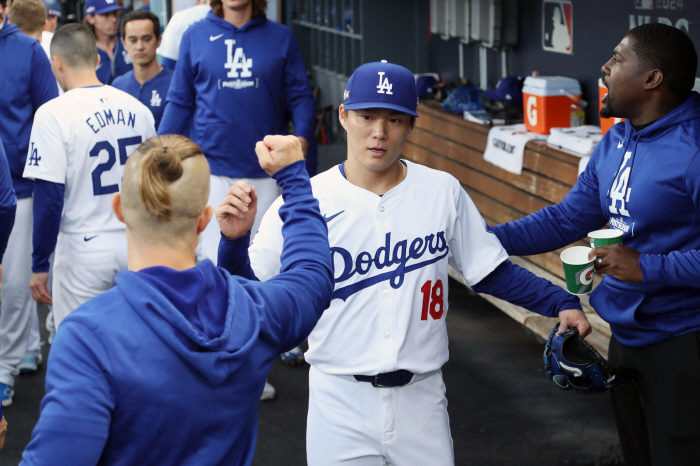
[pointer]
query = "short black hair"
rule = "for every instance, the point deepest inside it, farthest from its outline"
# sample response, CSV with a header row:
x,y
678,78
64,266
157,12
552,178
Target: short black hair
x,y
3,3
140,14
669,50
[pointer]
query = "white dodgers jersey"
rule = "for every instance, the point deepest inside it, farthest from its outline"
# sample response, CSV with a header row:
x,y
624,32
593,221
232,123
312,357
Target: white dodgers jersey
x,y
390,256
82,140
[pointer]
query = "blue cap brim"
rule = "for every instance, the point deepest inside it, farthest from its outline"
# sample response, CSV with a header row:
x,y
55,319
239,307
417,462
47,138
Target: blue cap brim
x,y
366,105
107,9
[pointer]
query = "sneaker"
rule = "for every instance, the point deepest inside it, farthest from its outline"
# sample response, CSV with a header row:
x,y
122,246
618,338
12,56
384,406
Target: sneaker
x,y
293,357
268,392
6,394
30,365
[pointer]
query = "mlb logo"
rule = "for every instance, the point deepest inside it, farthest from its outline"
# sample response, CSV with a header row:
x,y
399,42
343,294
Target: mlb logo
x,y
558,26
644,4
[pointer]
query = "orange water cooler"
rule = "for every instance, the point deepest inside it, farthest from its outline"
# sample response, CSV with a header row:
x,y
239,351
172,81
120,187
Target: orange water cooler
x,y
605,123
551,102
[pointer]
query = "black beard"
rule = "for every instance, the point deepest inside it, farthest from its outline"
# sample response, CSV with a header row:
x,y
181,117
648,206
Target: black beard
x,y
607,111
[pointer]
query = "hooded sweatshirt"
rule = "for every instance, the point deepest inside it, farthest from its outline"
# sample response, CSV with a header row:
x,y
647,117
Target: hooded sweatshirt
x,y
646,184
241,84
168,366
27,82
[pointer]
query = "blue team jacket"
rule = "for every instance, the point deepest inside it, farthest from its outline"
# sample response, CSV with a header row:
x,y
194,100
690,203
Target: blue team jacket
x,y
153,92
8,205
168,366
26,83
646,184
118,65
240,84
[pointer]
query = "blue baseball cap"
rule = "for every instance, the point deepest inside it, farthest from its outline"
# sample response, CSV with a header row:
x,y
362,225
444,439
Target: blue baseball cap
x,y
101,7
52,8
508,89
382,85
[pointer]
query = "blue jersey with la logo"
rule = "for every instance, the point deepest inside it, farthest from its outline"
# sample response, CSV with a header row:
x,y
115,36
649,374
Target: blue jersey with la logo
x,y
110,68
152,93
240,84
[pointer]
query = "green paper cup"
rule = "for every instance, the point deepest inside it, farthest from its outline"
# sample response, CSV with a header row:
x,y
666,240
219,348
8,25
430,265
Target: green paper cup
x,y
578,270
603,237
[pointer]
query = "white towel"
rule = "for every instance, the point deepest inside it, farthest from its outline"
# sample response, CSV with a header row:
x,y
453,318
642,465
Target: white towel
x,y
582,164
506,146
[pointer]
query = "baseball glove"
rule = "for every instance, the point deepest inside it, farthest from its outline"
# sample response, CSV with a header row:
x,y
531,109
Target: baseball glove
x,y
571,362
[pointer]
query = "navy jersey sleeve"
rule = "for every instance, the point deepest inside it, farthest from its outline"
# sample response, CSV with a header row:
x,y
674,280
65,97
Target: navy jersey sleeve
x,y
233,256
300,99
559,225
79,401
8,202
677,268
181,94
523,288
48,206
43,82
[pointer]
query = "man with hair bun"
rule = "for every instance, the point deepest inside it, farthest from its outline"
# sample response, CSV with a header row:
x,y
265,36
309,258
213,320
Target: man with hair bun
x,y
169,365
644,179
78,148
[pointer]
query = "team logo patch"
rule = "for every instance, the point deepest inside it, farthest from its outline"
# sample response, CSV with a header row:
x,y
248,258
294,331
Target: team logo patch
x,y
558,26
155,99
384,86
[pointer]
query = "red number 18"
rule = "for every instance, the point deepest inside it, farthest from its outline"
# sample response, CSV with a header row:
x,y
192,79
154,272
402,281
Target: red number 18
x,y
433,304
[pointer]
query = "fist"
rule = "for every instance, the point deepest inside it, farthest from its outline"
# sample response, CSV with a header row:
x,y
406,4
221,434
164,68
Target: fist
x,y
276,152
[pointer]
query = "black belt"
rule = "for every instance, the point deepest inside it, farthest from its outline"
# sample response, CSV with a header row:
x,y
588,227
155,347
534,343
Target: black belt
x,y
387,380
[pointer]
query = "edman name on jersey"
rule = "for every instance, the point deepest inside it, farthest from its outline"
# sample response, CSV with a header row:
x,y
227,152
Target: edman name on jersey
x,y
386,256
106,117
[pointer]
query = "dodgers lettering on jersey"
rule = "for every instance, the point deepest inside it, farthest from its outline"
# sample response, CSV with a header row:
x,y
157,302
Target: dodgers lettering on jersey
x,y
82,139
387,256
391,275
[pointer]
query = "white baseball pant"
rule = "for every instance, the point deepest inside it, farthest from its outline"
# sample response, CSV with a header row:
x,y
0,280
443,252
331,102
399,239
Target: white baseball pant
x,y
267,191
353,423
85,266
19,322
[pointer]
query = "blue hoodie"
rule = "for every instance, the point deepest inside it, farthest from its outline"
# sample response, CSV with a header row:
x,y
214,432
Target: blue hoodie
x,y
241,84
27,82
8,205
647,184
168,366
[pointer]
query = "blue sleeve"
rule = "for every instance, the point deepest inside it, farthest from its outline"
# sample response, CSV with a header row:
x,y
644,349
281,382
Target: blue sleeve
x,y
76,411
181,94
48,206
300,99
168,63
523,288
559,225
295,299
43,82
8,203
233,256
677,268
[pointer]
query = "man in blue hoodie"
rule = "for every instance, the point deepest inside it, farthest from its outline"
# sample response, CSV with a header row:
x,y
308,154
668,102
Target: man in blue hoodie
x,y
26,88
643,178
152,371
240,77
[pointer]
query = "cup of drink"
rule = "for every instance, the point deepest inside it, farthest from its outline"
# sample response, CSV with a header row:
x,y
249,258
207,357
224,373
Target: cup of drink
x,y
578,269
603,237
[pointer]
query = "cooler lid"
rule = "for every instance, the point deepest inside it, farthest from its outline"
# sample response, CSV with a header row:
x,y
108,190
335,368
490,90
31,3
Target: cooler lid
x,y
551,85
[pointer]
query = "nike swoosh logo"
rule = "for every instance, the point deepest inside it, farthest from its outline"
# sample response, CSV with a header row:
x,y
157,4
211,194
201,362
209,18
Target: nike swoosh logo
x,y
619,144
99,66
86,239
213,38
328,219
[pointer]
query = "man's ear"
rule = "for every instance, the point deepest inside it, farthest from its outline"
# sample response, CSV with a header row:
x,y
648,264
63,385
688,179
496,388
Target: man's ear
x,y
654,79
117,207
204,218
341,116
97,63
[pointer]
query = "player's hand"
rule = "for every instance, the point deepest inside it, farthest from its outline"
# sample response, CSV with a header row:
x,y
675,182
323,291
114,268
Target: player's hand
x,y
39,285
276,152
236,213
618,260
3,431
304,146
576,318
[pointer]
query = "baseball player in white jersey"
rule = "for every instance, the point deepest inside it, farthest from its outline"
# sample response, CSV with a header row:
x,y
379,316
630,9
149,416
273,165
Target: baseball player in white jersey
x,y
78,147
376,390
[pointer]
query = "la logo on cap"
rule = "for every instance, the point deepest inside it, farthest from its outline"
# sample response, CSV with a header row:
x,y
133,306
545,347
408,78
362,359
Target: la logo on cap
x,y
384,86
